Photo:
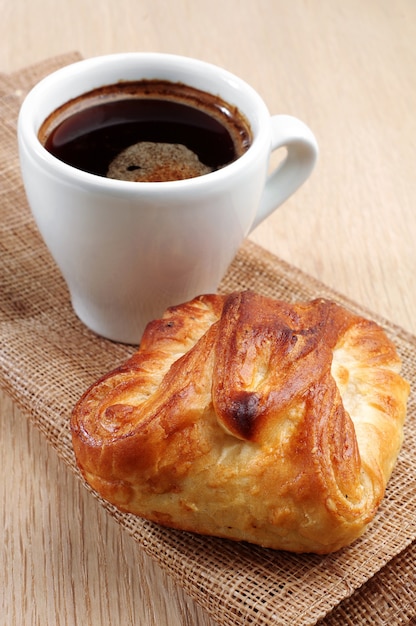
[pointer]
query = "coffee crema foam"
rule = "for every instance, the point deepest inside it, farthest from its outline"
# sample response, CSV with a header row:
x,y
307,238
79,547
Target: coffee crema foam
x,y
147,131
156,162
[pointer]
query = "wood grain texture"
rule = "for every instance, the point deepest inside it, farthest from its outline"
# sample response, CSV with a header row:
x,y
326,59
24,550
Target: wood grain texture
x,y
65,561
346,69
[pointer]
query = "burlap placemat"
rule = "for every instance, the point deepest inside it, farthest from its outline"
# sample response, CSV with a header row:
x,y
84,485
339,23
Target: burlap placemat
x,y
48,358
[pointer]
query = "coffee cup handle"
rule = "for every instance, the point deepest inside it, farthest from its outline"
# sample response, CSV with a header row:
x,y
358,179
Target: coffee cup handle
x,y
302,151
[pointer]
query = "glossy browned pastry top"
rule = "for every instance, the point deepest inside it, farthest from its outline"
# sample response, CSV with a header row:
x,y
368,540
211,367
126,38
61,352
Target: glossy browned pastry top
x,y
249,418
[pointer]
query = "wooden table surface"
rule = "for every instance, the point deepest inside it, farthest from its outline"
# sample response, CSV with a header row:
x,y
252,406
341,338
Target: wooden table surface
x,y
345,67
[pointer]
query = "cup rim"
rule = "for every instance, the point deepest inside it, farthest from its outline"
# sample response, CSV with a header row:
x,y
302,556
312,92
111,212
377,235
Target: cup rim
x,y
30,118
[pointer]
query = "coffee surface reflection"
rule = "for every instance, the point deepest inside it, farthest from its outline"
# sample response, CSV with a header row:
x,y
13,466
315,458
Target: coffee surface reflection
x,y
148,131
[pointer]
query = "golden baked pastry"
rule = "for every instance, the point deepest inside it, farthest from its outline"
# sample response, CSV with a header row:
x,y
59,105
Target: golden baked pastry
x,y
245,417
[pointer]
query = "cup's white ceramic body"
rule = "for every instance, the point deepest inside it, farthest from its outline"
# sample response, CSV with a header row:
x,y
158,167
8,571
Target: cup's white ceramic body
x,y
127,250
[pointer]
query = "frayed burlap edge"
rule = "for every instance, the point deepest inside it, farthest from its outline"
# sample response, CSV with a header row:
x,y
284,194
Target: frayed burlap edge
x,y
48,358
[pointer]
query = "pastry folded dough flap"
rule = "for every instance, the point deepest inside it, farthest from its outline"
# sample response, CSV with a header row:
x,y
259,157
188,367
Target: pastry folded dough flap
x,y
249,418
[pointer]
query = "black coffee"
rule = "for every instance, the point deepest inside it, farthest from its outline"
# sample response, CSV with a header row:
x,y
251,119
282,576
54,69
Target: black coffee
x,y
146,131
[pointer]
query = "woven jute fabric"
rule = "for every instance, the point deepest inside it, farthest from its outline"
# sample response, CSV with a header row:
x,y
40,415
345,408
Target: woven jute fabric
x,y
48,358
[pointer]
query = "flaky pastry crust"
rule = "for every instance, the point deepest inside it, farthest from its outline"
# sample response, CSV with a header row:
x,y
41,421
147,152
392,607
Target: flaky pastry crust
x,y
249,418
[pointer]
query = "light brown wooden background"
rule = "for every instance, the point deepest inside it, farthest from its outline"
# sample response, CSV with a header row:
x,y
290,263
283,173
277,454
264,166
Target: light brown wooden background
x,y
345,67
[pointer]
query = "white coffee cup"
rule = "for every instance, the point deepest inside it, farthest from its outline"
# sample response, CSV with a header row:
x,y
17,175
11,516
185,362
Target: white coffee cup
x,y
128,250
